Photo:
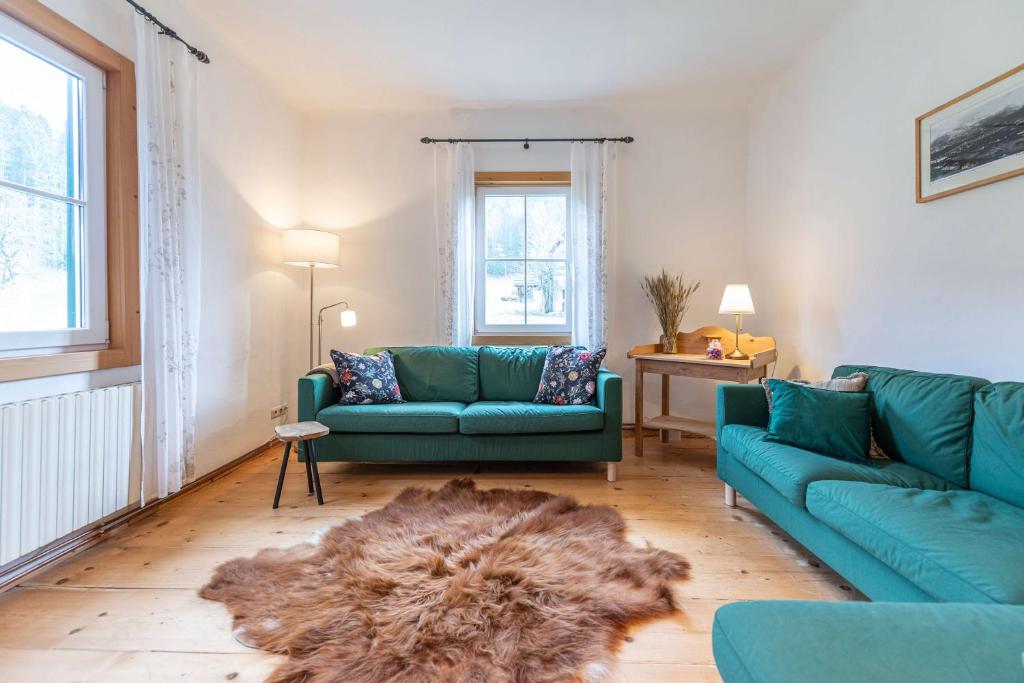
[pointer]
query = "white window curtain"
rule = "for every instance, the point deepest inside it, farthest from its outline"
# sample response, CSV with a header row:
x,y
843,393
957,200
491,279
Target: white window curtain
x,y
169,226
591,212
455,194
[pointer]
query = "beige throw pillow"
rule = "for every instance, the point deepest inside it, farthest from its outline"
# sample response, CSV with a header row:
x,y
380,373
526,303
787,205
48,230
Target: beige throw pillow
x,y
855,382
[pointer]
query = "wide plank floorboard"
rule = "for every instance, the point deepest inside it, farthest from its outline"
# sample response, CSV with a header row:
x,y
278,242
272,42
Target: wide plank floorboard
x,y
126,609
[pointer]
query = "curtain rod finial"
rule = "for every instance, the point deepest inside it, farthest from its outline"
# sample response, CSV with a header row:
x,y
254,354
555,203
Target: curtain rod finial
x,y
426,141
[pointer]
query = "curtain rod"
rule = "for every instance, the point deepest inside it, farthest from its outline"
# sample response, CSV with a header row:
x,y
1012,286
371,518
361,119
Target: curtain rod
x,y
169,32
526,141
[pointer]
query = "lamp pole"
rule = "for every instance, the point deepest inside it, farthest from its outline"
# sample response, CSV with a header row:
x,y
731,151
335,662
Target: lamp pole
x,y
312,267
736,353
320,327
312,249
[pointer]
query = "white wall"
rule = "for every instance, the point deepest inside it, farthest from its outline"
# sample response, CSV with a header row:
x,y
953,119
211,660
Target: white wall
x,y
844,265
251,344
366,175
817,212
682,189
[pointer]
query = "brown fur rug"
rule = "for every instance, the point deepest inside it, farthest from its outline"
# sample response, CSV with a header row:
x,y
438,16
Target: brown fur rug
x,y
452,585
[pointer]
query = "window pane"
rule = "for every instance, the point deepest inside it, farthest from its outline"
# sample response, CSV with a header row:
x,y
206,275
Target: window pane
x,y
545,226
504,222
38,262
546,296
504,293
39,135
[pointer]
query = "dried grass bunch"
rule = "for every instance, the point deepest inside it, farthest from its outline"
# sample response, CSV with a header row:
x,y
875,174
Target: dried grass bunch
x,y
670,295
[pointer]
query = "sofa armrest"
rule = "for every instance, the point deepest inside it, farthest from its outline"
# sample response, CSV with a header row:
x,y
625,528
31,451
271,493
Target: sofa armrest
x,y
743,404
851,642
316,392
609,397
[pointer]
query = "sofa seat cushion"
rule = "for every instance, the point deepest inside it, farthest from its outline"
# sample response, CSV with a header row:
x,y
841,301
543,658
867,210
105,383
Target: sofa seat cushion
x,y
958,546
521,417
796,641
789,469
396,418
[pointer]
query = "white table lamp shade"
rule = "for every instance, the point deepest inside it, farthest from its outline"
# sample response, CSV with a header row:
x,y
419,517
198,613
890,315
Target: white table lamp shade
x,y
736,299
315,248
348,318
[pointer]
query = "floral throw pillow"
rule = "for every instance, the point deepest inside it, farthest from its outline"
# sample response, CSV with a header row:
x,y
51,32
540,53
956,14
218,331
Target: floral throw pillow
x,y
569,376
366,379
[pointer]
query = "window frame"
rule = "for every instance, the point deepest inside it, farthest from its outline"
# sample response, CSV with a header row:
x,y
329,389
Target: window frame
x,y
121,199
89,198
481,327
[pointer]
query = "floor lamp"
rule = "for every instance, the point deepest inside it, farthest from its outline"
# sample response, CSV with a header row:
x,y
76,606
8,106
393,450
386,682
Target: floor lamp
x,y
311,249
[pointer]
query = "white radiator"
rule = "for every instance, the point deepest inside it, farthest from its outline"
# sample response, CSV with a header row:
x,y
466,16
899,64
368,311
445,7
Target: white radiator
x,y
65,462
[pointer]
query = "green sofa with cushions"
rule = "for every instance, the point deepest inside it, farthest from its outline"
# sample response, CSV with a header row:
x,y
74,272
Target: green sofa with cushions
x,y
942,522
466,404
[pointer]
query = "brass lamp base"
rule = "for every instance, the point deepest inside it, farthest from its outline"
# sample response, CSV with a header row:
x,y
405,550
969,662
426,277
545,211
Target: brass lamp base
x,y
736,353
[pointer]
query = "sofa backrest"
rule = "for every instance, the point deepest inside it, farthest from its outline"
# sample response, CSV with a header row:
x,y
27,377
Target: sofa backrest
x,y
921,418
510,373
997,455
436,373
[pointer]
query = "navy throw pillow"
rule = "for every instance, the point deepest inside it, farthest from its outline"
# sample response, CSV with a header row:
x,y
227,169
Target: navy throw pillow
x,y
366,379
569,376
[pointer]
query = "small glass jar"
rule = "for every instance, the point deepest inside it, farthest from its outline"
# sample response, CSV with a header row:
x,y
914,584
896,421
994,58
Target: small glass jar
x,y
715,351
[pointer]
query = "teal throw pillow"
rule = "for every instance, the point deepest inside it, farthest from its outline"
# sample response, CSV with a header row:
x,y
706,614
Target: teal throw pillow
x,y
833,423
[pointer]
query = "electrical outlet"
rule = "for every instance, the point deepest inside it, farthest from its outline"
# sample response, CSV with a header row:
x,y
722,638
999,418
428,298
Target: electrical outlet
x,y
279,411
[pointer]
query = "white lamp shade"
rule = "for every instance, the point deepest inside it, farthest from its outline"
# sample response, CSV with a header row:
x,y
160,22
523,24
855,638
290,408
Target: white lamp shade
x,y
315,248
736,299
348,318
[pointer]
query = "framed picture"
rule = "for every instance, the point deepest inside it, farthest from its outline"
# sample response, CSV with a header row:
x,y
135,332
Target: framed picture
x,y
973,140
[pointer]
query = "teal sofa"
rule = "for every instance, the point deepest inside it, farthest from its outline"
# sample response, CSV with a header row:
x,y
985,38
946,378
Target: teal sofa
x,y
466,404
943,522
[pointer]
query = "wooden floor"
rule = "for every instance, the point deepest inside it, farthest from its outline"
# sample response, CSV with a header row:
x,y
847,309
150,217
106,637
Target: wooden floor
x,y
127,610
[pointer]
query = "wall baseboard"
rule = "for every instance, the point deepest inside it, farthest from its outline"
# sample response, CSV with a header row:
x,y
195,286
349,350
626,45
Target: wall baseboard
x,y
73,543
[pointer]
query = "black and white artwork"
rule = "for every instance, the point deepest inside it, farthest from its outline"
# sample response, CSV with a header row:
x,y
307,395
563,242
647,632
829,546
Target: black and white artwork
x,y
973,140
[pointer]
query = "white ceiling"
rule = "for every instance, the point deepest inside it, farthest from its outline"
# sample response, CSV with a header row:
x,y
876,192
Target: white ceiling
x,y
324,54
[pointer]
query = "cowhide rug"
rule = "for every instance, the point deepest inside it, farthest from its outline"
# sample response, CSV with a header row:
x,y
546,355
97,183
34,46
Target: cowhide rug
x,y
452,585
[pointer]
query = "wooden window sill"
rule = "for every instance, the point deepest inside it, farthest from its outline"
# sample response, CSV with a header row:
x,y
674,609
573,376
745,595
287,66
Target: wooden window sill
x,y
521,339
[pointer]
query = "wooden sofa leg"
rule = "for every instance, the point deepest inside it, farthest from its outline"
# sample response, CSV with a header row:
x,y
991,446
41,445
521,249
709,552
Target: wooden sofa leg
x,y
730,496
613,471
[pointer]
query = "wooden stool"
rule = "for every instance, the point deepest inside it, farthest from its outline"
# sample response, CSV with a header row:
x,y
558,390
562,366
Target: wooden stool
x,y
307,433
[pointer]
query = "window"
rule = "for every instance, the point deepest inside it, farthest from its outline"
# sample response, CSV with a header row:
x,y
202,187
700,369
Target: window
x,y
53,277
69,199
522,261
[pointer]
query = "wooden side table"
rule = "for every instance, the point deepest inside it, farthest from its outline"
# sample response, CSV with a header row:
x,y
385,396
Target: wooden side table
x,y
306,433
690,361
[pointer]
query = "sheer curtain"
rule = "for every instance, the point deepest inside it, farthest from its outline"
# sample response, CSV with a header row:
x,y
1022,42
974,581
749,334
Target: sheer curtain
x,y
455,196
170,232
591,212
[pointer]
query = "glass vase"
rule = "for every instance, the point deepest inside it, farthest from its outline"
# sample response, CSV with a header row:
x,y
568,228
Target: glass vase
x,y
668,343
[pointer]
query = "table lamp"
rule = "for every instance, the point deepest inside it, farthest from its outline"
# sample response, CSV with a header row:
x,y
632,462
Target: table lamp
x,y
736,300
311,249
